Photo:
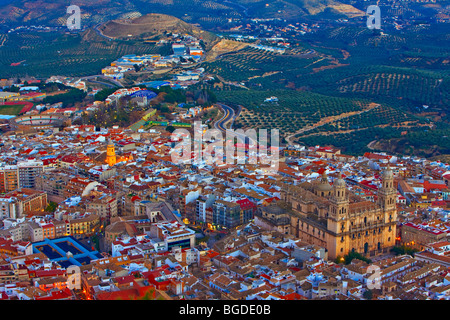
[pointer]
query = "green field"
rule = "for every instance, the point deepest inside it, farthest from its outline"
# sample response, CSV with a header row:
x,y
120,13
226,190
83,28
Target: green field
x,y
46,54
327,84
293,111
12,110
351,68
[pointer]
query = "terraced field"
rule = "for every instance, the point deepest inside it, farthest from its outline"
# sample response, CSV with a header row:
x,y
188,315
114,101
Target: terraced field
x,y
46,54
325,97
293,111
259,67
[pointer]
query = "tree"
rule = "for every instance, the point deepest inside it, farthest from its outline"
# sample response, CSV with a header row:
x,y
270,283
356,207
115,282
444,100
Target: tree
x,y
164,109
103,94
368,294
404,250
355,255
51,207
71,97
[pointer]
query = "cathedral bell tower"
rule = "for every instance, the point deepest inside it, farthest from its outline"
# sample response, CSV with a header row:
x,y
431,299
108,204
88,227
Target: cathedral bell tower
x,y
339,207
387,194
111,159
387,201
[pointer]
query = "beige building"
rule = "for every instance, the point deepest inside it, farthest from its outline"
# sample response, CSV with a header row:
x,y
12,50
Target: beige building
x,y
17,204
419,237
105,206
84,226
331,217
274,218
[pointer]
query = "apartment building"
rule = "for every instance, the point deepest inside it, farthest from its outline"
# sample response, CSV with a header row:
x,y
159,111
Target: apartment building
x,y
104,206
15,204
22,175
84,226
53,183
79,187
226,214
173,234
28,171
9,179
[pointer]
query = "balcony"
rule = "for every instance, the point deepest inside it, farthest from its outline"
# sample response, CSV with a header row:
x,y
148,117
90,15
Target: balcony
x,y
356,228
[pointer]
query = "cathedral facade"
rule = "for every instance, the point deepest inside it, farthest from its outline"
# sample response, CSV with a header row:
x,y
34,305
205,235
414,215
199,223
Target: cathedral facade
x,y
331,217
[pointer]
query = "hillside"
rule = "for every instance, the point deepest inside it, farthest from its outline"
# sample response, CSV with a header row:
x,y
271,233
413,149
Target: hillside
x,y
54,12
151,25
54,53
213,13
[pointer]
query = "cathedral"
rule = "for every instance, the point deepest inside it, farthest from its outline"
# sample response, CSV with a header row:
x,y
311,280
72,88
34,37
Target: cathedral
x,y
332,217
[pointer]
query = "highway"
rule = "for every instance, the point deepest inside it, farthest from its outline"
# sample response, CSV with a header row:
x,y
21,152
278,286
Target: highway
x,y
252,154
111,81
229,116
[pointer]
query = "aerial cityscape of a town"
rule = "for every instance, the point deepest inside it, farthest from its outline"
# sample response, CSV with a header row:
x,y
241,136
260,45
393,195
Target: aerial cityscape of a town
x,y
189,150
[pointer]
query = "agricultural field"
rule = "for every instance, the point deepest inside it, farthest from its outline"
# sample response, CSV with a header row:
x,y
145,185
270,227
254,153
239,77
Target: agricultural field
x,y
254,66
293,111
46,54
353,143
328,83
328,71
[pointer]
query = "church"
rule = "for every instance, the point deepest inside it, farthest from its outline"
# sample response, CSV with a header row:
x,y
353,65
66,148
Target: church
x,y
112,158
334,218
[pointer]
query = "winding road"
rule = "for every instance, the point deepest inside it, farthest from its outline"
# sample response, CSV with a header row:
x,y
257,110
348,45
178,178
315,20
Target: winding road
x,y
230,116
96,29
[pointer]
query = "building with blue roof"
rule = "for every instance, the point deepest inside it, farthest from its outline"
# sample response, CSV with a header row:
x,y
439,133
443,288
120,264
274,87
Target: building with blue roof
x,y
66,251
155,84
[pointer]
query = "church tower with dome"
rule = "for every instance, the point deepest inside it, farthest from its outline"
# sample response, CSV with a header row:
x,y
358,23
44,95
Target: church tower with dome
x,y
111,158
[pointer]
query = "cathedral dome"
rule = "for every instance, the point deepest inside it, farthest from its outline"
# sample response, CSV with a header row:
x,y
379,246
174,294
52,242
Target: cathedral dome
x,y
324,185
387,173
340,182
